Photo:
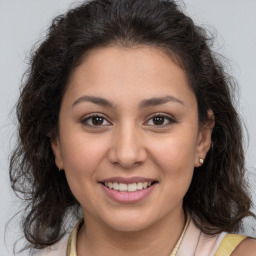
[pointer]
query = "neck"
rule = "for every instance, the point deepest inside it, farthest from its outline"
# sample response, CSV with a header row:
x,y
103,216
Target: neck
x,y
158,239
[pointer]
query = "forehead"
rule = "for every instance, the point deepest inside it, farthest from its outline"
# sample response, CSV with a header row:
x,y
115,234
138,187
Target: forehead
x,y
118,72
141,58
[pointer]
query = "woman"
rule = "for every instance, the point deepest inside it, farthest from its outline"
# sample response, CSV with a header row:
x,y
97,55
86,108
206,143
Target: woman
x,y
127,116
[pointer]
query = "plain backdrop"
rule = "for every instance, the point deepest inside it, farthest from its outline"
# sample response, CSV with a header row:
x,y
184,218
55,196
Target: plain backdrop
x,y
23,23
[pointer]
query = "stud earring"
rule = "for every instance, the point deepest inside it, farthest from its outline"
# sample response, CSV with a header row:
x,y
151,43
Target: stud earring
x,y
201,160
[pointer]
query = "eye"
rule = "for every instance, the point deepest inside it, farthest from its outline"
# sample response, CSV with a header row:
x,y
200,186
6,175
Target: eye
x,y
94,120
160,120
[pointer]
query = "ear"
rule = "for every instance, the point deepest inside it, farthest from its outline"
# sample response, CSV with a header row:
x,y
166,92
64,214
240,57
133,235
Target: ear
x,y
204,139
56,148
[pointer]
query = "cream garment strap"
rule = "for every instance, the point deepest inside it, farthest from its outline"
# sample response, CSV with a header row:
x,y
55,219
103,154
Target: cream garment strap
x,y
71,250
229,243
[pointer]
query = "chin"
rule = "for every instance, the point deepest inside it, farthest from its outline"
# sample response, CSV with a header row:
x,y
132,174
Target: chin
x,y
129,223
128,227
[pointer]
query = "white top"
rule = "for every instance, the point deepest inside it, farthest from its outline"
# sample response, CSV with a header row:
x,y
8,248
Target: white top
x,y
195,243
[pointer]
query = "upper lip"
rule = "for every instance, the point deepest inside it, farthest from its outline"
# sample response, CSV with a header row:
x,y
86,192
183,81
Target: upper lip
x,y
127,180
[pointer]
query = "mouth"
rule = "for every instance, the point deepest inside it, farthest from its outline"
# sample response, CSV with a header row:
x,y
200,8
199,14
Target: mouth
x,y
128,190
129,187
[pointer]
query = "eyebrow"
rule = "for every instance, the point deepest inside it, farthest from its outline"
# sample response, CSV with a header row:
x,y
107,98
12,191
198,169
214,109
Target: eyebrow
x,y
97,100
143,104
158,101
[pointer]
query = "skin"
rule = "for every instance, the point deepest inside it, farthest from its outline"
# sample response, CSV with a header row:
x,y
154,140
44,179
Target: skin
x,y
127,143
247,247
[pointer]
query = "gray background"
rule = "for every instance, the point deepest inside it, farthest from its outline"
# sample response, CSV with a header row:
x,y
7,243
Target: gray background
x,y
23,23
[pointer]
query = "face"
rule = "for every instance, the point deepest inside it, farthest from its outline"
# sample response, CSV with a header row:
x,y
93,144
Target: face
x,y
129,137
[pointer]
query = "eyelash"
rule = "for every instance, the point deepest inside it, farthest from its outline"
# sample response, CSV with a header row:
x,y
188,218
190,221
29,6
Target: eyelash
x,y
85,120
170,119
90,117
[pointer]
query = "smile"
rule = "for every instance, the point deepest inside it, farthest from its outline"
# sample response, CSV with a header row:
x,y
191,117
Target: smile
x,y
128,190
132,187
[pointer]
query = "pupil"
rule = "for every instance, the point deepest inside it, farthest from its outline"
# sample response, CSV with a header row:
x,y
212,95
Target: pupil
x,y
97,120
158,120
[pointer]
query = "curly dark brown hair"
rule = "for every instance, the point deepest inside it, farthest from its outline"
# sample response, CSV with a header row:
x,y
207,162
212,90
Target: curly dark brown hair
x,y
217,199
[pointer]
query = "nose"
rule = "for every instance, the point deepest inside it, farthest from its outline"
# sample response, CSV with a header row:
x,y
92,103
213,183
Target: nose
x,y
127,148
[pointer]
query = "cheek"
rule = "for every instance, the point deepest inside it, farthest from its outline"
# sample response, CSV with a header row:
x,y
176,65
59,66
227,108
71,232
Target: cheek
x,y
175,157
175,152
82,152
81,157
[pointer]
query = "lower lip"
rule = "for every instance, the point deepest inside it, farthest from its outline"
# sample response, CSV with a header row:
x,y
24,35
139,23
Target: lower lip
x,y
128,197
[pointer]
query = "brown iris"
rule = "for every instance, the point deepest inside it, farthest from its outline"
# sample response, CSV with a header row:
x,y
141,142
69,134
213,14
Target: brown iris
x,y
158,120
97,120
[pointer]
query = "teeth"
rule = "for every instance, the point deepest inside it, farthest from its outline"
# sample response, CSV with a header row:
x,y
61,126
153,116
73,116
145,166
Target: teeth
x,y
132,187
123,187
139,185
115,186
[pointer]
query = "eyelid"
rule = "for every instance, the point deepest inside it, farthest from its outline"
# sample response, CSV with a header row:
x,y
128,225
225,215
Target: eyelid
x,y
89,116
170,118
167,116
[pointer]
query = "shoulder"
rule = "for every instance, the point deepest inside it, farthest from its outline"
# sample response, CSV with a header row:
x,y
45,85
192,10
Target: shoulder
x,y
246,247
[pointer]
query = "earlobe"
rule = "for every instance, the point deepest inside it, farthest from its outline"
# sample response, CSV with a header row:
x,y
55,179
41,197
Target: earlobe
x,y
56,148
204,139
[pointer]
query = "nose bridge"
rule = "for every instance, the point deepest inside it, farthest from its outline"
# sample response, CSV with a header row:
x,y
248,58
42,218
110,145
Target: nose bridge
x,y
127,148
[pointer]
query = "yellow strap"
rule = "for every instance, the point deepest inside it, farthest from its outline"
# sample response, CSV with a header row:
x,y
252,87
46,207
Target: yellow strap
x,y
229,243
71,249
